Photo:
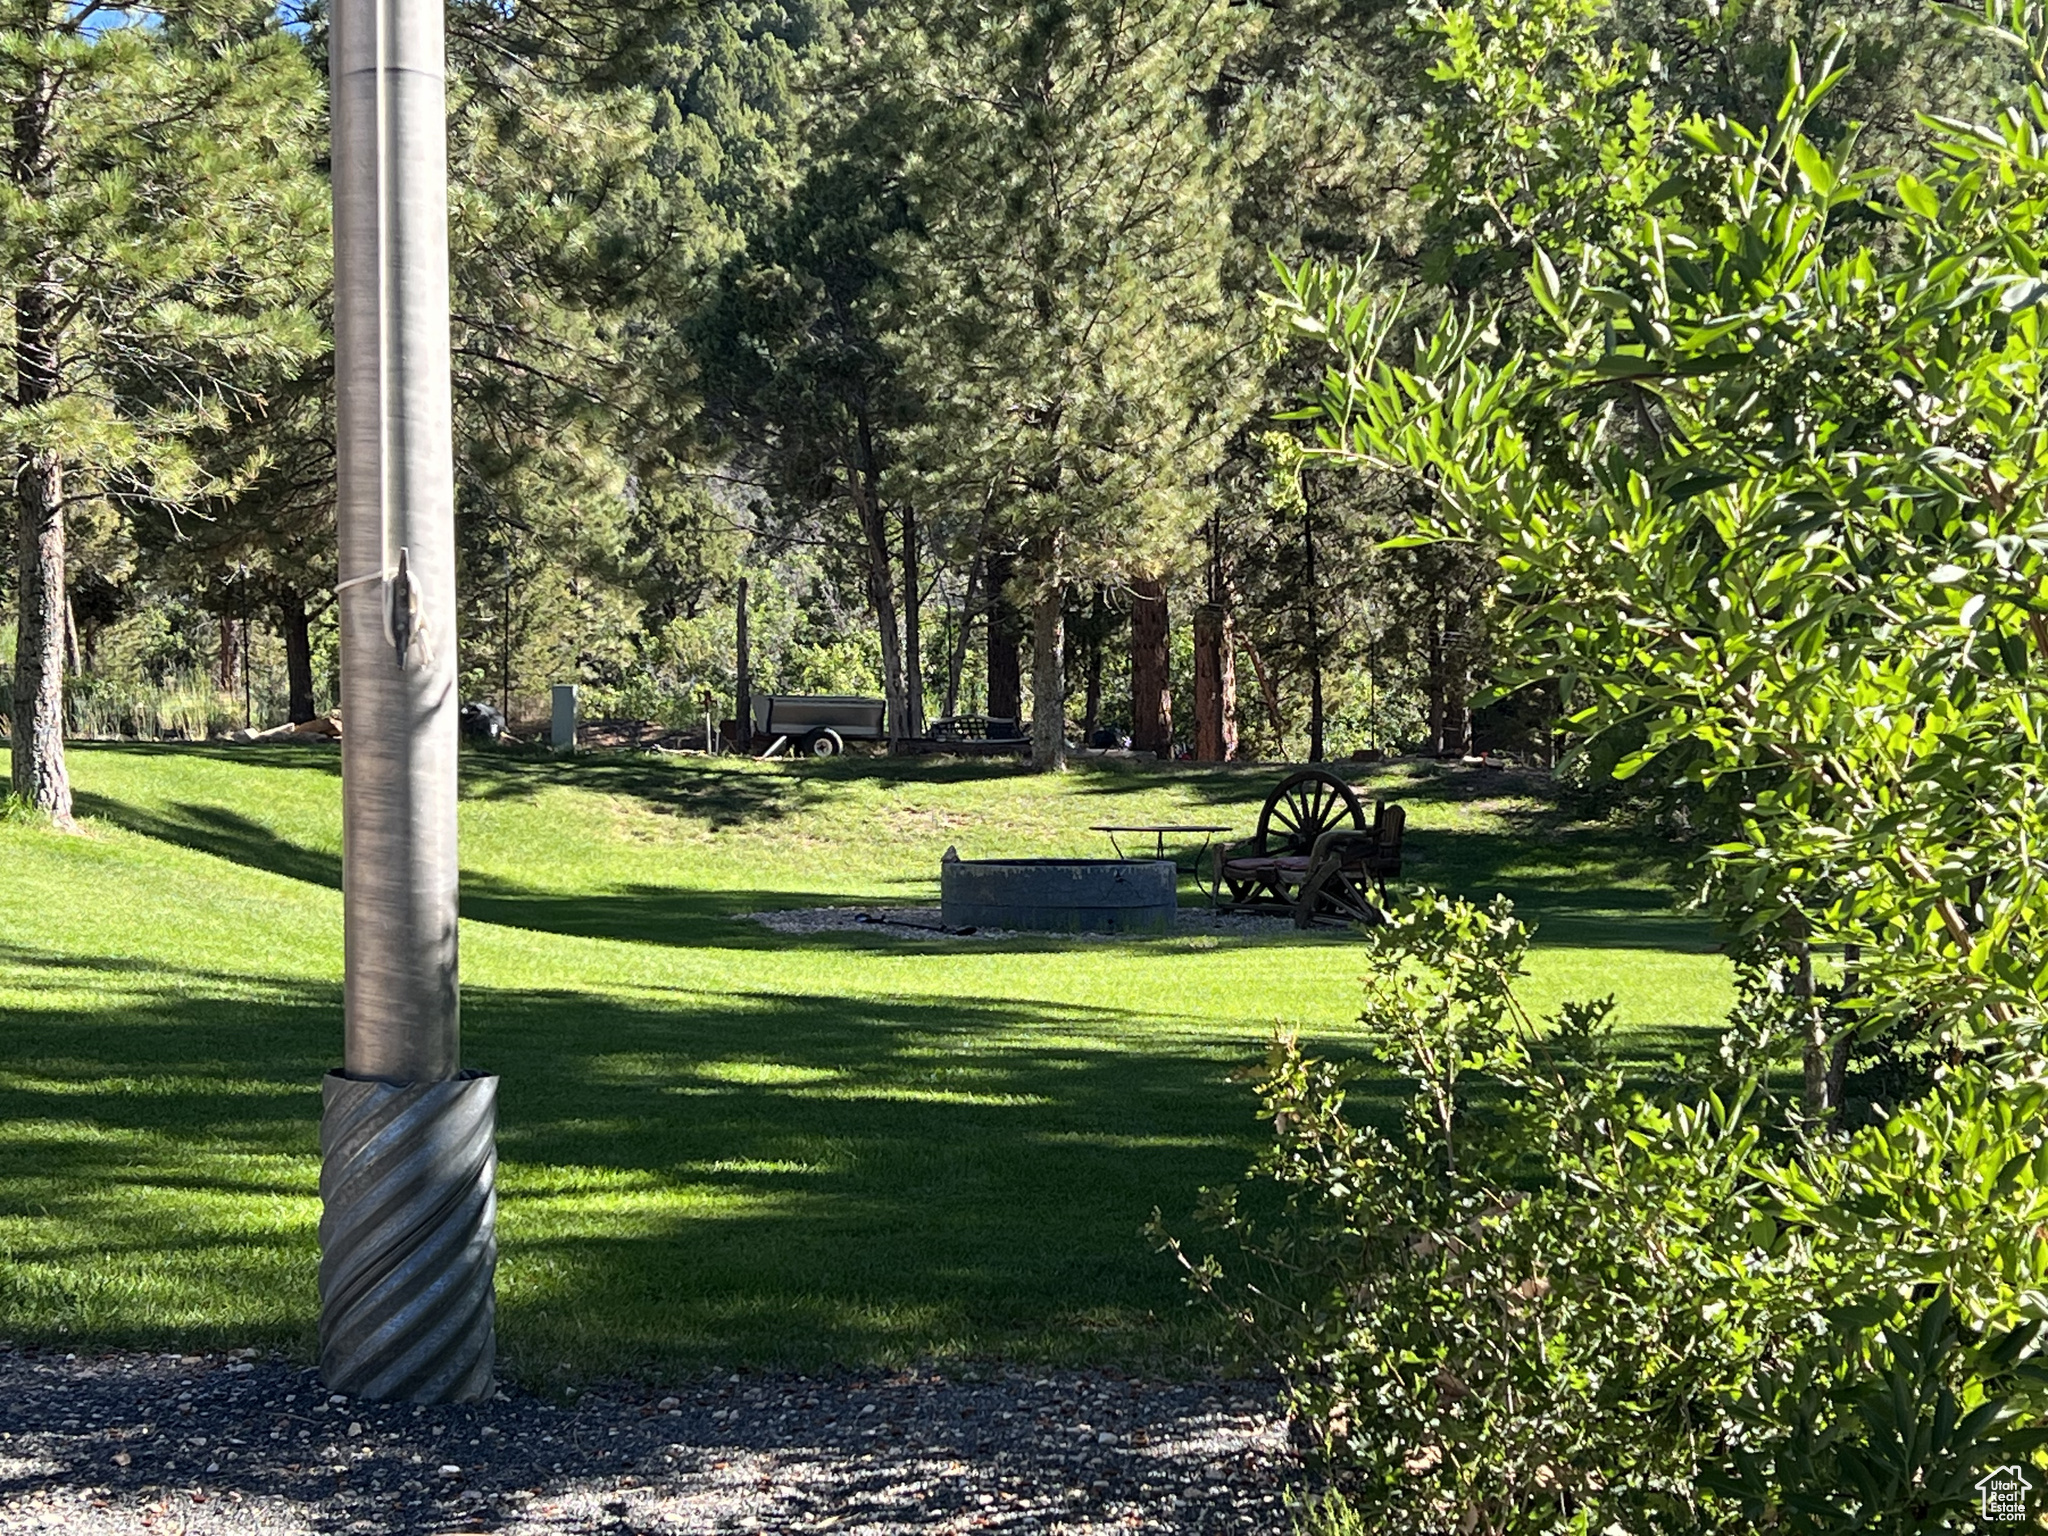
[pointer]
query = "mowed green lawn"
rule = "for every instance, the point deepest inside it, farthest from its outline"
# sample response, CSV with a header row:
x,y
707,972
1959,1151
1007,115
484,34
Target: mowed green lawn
x,y
719,1145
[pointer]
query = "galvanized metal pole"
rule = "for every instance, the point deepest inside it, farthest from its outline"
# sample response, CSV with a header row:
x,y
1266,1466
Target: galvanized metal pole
x,y
407,1138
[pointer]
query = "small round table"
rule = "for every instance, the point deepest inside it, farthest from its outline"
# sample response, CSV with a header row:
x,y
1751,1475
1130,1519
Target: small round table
x,y
1158,831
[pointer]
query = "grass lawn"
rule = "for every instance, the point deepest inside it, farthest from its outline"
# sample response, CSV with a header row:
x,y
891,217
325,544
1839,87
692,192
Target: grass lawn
x,y
719,1145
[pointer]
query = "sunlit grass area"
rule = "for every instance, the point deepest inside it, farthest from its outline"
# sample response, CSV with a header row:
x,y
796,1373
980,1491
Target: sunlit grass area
x,y
720,1144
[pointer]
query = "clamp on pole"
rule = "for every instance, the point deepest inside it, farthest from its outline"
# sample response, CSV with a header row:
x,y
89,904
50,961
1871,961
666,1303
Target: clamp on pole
x,y
404,629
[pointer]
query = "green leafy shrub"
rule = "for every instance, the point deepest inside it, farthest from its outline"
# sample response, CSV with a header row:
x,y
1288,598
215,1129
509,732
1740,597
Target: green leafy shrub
x,y
1889,1437
1545,1300
1763,453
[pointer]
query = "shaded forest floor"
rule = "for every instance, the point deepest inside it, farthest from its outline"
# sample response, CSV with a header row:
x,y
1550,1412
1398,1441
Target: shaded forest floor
x,y
721,1144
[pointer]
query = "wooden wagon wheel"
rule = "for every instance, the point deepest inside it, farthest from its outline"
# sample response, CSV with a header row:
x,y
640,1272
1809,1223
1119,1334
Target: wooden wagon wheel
x,y
1333,895
1305,806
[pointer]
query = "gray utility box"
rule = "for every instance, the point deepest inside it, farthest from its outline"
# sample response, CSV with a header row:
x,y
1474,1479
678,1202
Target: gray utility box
x,y
1060,895
563,734
796,715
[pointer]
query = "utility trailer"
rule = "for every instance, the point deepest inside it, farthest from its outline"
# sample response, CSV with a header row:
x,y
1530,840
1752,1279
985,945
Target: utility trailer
x,y
816,724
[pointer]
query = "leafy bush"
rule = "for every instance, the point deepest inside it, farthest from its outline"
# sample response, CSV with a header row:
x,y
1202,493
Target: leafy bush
x,y
1762,451
1549,1301
1893,1437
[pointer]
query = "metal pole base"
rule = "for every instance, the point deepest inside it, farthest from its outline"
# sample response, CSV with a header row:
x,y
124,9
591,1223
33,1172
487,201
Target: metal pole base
x,y
408,1238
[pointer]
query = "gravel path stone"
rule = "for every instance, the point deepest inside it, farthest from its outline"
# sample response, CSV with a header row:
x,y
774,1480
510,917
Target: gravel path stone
x,y
927,923
163,1444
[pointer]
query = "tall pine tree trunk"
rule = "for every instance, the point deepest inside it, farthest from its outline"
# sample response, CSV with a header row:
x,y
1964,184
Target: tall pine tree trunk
x,y
37,743
1005,629
863,477
1048,678
1315,645
956,663
1048,656
226,662
743,686
1458,679
1439,689
913,646
1151,679
1091,713
296,625
1215,686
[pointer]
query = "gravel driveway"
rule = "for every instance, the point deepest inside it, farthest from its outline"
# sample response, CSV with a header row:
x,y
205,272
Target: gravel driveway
x,y
171,1444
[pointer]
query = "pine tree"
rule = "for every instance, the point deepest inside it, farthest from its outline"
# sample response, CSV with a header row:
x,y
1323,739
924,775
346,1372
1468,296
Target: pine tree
x,y
155,214
572,245
799,394
1058,295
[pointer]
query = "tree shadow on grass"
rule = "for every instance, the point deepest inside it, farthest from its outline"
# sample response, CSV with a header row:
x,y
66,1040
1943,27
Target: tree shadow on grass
x,y
738,792
1582,884
220,832
680,915
1579,885
1581,888
746,1178
314,757
725,797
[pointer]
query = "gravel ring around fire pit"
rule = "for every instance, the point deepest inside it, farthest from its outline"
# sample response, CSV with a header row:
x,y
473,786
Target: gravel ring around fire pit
x,y
927,923
128,1443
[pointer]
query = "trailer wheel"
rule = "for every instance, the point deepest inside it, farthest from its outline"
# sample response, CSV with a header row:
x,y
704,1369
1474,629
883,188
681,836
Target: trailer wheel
x,y
823,742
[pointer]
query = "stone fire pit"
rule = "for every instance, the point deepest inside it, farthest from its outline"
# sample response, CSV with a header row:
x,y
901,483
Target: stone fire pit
x,y
1059,895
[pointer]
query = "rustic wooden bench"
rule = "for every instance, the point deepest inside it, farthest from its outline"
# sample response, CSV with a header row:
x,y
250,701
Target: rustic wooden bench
x,y
1314,856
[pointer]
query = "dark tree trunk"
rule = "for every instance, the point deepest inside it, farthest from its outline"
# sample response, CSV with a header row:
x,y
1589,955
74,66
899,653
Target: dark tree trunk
x,y
36,740
1817,1054
1005,632
1215,686
1215,662
1091,712
1439,710
1457,683
36,744
227,669
1270,692
913,648
1315,644
743,685
864,482
1151,676
1048,672
956,663
1450,711
1838,1056
505,643
296,626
